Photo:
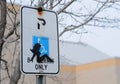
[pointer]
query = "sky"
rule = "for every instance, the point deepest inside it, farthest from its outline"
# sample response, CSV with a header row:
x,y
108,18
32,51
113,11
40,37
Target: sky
x,y
108,41
105,40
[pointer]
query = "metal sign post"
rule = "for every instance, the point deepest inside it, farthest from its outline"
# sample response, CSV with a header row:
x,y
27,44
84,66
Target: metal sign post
x,y
40,79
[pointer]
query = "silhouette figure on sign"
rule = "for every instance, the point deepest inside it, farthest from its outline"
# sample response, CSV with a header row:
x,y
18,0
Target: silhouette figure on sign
x,y
35,51
40,59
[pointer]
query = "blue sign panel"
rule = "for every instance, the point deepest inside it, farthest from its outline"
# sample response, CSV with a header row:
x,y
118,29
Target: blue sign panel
x,y
44,42
41,50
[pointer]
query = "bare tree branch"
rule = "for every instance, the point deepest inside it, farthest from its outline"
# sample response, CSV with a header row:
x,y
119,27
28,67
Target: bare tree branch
x,y
73,27
110,1
65,6
57,3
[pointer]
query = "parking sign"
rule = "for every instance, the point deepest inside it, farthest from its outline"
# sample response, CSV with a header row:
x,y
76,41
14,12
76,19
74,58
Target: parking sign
x,y
39,41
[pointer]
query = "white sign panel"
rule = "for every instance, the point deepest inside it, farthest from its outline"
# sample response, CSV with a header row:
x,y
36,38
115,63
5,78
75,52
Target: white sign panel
x,y
39,41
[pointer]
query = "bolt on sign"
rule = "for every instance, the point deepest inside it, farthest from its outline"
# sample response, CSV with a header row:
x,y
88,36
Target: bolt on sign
x,y
39,41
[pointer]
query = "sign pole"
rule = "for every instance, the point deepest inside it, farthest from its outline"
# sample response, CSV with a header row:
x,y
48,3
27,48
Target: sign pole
x,y
40,79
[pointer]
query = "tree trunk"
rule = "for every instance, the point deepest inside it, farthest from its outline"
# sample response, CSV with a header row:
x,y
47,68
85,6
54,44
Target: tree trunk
x,y
17,74
2,22
2,26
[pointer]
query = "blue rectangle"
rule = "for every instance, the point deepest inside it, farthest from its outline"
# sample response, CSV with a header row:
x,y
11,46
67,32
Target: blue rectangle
x,y
44,42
